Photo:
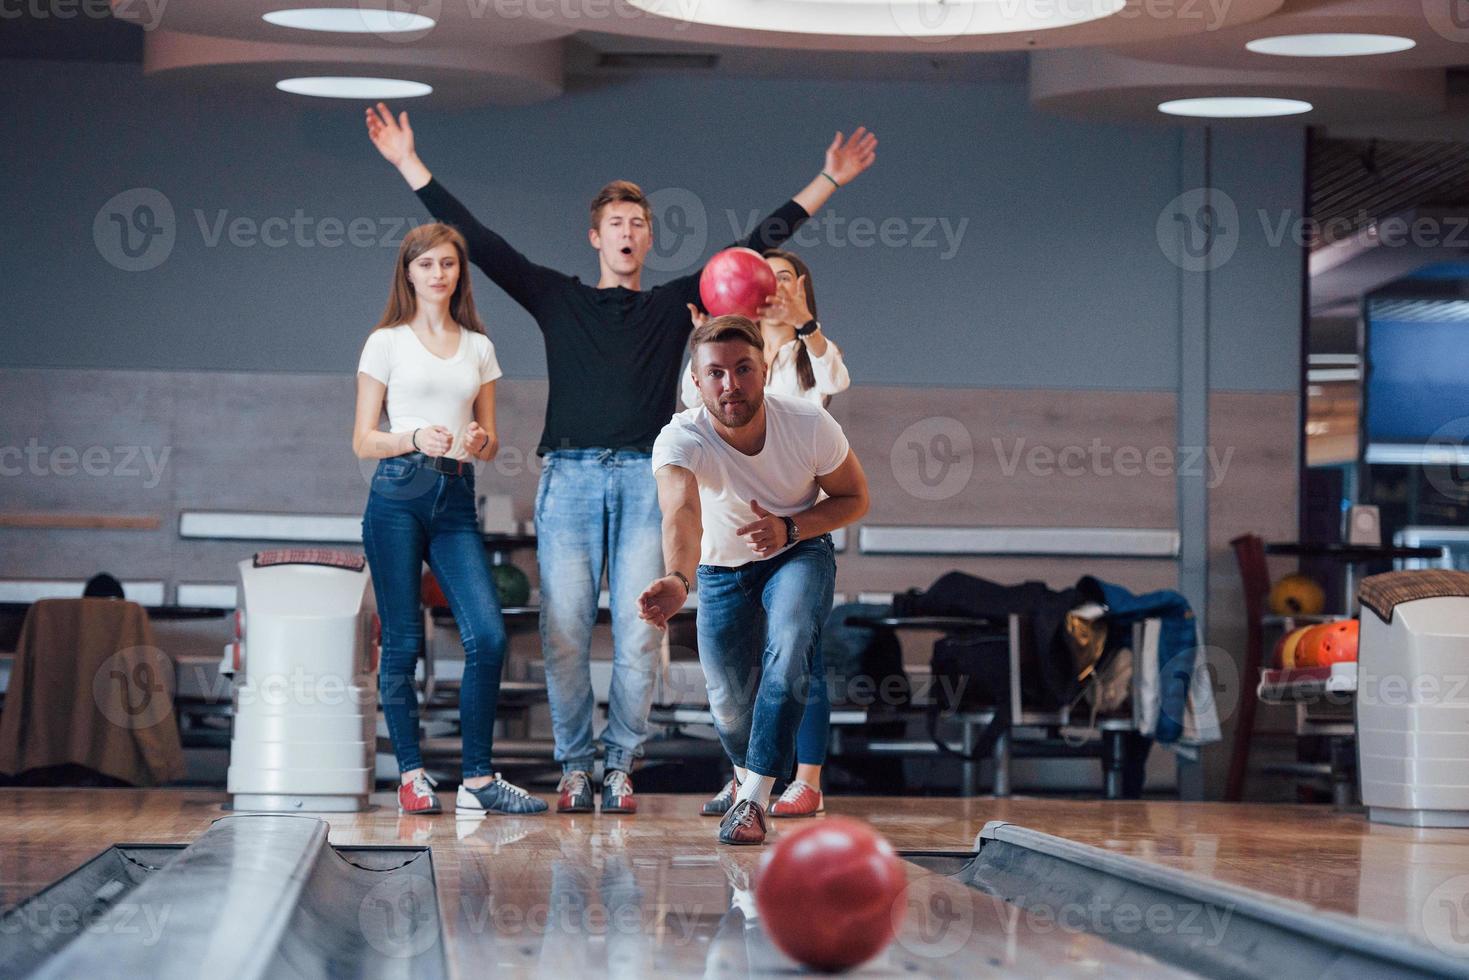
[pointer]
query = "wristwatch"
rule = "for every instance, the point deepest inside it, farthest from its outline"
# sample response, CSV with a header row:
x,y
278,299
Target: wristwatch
x,y
793,533
808,328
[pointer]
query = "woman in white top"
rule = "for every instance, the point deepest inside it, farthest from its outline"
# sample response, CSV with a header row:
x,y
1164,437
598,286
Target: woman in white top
x,y
429,364
802,362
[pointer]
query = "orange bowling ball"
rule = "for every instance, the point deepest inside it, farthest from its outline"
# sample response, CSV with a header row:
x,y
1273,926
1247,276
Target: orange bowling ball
x,y
830,895
1338,643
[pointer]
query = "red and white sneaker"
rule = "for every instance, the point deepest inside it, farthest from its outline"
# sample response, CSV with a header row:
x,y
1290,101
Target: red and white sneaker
x,y
417,795
617,796
576,793
800,799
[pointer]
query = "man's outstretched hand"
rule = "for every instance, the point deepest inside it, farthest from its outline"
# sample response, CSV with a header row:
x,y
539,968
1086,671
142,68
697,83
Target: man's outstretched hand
x,y
392,137
848,157
661,600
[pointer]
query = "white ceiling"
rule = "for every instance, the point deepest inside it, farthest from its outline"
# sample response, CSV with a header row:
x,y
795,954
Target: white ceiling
x,y
1112,67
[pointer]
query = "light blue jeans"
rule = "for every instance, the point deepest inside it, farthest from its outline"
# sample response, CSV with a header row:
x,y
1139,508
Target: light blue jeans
x,y
596,510
759,631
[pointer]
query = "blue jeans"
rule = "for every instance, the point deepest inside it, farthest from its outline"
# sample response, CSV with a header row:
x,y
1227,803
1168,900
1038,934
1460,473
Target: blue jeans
x,y
813,735
415,514
596,511
759,632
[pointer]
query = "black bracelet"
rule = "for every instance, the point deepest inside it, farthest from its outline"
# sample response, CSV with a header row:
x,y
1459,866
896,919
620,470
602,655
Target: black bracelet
x,y
413,438
808,328
684,579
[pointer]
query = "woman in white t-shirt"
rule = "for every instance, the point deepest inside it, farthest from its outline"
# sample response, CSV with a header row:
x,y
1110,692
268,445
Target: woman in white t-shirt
x,y
801,362
799,358
429,365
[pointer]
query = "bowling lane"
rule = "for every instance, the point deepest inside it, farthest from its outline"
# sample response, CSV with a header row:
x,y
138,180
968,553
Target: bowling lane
x,y
581,895
530,895
664,874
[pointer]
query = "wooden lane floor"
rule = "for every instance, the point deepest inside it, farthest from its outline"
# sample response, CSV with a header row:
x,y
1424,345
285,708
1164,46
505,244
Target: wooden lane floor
x,y
655,892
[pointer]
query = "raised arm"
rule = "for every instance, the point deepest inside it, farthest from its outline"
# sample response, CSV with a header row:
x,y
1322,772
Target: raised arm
x,y
678,498
521,278
846,158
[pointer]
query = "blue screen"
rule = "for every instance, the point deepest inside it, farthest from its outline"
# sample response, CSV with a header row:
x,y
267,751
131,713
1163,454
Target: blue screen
x,y
1417,380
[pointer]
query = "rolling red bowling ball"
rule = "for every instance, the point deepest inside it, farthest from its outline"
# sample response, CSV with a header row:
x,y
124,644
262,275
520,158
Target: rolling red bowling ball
x,y
830,895
737,280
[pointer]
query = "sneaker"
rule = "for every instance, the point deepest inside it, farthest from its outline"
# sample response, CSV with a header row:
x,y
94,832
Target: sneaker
x,y
720,804
497,796
800,799
576,793
743,824
617,793
417,795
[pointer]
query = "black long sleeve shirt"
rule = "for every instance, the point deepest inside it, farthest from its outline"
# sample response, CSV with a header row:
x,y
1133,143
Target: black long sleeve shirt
x,y
613,354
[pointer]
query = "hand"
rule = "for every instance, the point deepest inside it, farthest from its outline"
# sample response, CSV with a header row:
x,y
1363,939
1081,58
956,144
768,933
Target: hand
x,y
661,600
767,535
788,306
697,316
394,139
845,159
479,442
433,440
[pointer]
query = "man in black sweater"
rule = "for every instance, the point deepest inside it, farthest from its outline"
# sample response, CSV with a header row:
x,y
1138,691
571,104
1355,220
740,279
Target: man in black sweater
x,y
613,353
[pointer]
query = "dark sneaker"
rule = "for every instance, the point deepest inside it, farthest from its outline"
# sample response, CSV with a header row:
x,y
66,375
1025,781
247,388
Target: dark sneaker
x,y
498,796
576,793
417,796
800,799
720,804
617,793
743,824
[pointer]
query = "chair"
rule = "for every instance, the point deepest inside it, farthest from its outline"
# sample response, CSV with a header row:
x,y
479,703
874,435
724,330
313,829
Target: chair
x,y
1249,553
90,689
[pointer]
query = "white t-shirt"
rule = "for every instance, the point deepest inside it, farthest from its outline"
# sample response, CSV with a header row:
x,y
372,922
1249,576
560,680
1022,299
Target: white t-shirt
x,y
829,370
425,389
802,442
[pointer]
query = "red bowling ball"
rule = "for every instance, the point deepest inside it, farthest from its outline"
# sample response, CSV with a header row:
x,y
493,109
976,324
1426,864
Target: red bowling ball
x,y
736,280
830,895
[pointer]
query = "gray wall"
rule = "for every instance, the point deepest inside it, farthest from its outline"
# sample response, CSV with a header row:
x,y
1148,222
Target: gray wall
x,y
1054,277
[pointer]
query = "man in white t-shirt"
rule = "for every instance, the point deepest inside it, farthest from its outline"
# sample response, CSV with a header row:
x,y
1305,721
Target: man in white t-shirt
x,y
740,484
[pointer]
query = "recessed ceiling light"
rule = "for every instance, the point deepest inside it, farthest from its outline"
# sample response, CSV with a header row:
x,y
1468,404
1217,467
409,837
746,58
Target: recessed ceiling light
x,y
348,87
920,19
1234,107
1330,45
349,20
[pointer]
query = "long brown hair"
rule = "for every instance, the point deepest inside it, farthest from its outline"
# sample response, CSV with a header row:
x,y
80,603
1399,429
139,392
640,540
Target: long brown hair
x,y
804,374
403,304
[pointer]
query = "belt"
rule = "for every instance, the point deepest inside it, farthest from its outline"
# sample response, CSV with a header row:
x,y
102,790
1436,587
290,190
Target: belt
x,y
442,464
